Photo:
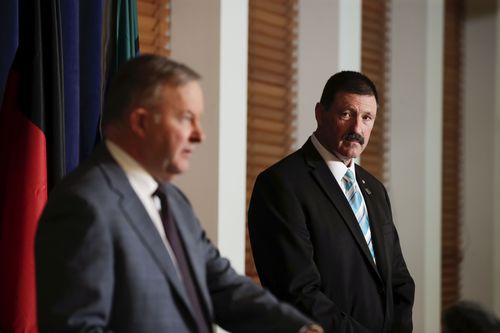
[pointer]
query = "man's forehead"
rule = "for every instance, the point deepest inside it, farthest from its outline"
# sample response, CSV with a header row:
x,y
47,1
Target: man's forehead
x,y
354,98
348,94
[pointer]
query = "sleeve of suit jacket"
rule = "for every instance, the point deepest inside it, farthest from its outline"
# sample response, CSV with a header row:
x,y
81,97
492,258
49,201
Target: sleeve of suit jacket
x,y
403,288
283,252
74,267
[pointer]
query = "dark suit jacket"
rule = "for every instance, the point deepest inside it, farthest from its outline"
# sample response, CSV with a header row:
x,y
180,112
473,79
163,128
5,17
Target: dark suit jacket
x,y
310,251
102,267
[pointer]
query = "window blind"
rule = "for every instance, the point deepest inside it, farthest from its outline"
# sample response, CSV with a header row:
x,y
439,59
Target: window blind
x,y
451,255
271,90
154,26
374,64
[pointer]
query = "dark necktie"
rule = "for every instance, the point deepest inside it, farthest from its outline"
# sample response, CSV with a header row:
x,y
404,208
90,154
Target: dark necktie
x,y
182,263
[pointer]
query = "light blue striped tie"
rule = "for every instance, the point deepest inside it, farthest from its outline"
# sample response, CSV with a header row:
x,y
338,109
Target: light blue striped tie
x,y
356,201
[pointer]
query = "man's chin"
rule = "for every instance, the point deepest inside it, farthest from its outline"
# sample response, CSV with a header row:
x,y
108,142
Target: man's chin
x,y
347,155
178,169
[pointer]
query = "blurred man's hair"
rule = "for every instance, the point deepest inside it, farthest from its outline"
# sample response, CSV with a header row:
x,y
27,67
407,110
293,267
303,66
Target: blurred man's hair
x,y
138,83
469,317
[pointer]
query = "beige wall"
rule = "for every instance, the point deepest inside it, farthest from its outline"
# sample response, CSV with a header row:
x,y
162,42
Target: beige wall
x,y
481,199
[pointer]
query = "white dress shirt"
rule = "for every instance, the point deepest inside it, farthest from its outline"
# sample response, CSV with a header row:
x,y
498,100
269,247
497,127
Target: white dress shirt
x,y
336,166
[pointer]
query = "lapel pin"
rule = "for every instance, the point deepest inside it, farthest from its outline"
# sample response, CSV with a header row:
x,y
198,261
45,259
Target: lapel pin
x,y
366,188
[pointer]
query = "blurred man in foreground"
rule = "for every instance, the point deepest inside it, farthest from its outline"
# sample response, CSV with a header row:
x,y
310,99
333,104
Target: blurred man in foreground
x,y
119,248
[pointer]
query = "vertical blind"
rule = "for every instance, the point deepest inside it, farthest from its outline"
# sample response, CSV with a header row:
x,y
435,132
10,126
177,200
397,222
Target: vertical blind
x,y
271,90
374,60
451,255
154,26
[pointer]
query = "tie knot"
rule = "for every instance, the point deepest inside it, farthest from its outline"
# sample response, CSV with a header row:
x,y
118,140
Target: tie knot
x,y
349,177
162,205
161,194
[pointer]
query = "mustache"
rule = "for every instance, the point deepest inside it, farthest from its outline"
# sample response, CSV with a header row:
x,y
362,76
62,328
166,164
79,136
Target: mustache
x,y
354,137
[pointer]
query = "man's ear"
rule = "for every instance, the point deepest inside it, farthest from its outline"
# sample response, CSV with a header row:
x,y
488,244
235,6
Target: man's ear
x,y
138,121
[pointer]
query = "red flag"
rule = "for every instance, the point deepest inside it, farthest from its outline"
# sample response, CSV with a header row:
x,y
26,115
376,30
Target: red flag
x,y
32,156
22,197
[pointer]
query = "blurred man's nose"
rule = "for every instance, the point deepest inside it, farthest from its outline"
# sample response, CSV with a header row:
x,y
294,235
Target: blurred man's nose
x,y
197,135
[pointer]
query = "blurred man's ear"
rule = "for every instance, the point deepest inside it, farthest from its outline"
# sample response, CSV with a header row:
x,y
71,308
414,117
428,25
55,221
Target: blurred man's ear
x,y
138,121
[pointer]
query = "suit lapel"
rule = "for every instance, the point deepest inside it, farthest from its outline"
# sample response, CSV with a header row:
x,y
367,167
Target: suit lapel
x,y
324,178
375,222
138,218
182,216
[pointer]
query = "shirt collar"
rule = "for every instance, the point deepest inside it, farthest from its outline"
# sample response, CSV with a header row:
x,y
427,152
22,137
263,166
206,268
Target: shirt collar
x,y
336,166
142,182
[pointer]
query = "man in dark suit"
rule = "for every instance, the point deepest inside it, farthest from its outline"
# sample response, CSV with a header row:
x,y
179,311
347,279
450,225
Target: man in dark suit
x,y
321,227
119,249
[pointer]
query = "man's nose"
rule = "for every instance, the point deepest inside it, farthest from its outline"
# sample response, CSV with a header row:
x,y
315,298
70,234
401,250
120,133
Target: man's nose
x,y
356,125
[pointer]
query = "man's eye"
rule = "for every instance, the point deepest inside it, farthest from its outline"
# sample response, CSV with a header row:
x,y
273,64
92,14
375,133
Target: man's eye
x,y
187,116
